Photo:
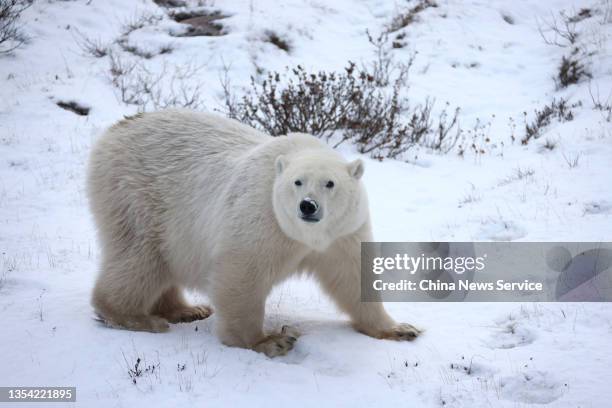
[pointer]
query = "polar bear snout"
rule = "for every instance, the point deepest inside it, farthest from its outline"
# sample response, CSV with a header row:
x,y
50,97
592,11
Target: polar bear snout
x,y
310,210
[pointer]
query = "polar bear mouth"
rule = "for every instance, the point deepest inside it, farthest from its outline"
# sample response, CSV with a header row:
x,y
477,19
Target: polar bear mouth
x,y
310,218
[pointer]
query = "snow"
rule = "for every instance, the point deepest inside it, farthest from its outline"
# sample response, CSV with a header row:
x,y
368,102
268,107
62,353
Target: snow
x,y
471,355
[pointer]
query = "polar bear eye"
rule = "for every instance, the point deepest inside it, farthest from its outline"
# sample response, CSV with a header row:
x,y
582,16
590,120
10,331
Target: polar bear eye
x,y
298,182
330,184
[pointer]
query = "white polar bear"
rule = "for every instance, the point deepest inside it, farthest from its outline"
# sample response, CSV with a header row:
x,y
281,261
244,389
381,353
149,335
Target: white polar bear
x,y
185,199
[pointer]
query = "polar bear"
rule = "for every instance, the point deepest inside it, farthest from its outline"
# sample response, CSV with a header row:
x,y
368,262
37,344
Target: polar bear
x,y
194,200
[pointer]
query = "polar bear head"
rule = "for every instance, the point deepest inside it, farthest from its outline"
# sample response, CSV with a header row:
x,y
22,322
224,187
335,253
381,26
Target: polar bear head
x,y
318,197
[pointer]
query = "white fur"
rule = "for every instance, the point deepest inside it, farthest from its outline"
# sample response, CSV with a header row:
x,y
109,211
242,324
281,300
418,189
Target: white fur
x,y
185,199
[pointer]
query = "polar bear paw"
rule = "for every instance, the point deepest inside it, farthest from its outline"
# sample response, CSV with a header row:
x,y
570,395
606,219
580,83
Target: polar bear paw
x,y
280,344
189,314
153,324
401,332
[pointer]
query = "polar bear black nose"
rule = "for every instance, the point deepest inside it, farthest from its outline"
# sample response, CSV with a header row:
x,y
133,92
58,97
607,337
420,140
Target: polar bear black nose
x,y
309,207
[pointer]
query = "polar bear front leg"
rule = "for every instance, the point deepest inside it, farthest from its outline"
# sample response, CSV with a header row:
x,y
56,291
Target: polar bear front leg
x,y
240,310
338,270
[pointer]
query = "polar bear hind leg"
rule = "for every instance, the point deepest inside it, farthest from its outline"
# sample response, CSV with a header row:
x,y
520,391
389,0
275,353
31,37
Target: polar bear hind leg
x,y
131,281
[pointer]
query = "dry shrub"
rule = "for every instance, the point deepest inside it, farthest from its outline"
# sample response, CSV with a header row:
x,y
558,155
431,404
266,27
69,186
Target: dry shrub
x,y
560,110
571,71
406,17
378,120
11,34
171,87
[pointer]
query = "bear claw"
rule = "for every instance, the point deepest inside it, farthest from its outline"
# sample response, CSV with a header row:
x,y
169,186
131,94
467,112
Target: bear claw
x,y
276,345
402,332
190,314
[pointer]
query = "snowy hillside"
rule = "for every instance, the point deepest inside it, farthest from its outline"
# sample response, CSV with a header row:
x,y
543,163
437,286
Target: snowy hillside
x,y
87,63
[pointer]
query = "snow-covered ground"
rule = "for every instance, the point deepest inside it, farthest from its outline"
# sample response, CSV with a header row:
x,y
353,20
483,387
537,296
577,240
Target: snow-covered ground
x,y
487,57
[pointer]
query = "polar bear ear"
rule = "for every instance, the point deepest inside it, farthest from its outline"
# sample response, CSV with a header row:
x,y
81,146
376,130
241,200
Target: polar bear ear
x,y
356,168
280,164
